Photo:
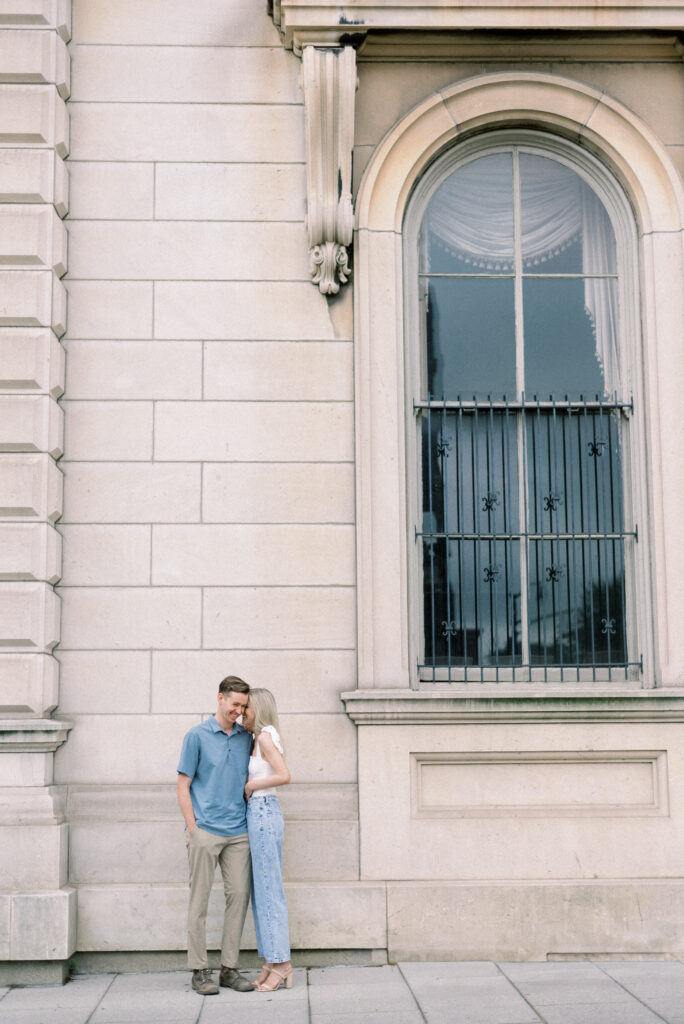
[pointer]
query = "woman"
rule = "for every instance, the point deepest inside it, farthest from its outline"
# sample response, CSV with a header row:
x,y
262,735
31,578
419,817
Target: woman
x,y
267,769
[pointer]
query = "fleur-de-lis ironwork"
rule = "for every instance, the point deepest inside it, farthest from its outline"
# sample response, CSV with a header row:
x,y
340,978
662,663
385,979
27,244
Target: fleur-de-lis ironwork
x,y
554,573
596,447
490,573
608,626
443,446
450,628
490,501
551,502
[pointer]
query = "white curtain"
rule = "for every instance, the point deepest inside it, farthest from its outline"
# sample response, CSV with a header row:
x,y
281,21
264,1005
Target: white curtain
x,y
471,218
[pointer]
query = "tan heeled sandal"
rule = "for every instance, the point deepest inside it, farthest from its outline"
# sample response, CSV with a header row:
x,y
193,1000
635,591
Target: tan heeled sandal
x,y
285,979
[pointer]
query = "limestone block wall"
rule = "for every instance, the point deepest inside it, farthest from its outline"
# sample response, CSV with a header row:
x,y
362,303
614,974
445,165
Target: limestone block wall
x,y
208,498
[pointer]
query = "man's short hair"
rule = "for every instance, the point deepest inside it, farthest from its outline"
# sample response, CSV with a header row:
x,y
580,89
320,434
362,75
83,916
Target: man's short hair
x,y
233,683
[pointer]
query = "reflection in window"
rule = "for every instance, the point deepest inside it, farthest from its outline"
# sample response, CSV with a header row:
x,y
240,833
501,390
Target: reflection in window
x,y
523,532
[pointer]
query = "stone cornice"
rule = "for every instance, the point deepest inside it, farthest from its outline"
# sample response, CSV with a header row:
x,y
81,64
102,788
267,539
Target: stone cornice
x,y
327,23
32,735
441,707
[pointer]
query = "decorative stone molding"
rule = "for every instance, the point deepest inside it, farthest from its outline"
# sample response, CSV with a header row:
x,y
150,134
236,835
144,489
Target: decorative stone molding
x,y
301,22
409,707
329,80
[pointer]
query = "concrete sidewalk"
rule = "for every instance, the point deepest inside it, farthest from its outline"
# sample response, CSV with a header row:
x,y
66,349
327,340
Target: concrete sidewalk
x,y
624,992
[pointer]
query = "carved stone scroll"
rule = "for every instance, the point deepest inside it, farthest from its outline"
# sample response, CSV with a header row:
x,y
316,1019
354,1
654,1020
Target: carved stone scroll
x,y
329,79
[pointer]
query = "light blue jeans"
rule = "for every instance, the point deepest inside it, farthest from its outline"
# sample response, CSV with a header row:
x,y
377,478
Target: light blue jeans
x,y
265,829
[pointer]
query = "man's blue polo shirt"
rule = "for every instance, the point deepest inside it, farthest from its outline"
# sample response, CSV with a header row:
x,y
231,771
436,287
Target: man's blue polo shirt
x,y
217,763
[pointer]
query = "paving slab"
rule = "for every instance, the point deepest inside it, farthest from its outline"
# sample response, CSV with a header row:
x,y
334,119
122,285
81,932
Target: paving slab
x,y
544,984
657,984
365,990
45,1015
472,1000
601,1013
80,994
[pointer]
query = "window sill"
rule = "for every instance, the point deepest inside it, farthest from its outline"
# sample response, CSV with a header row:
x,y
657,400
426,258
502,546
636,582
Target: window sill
x,y
460,705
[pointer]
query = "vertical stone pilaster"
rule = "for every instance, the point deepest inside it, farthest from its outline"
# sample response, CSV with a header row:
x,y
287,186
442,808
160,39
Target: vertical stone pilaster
x,y
37,910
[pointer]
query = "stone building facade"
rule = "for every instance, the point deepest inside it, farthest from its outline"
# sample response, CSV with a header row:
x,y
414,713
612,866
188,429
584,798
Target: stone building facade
x,y
213,383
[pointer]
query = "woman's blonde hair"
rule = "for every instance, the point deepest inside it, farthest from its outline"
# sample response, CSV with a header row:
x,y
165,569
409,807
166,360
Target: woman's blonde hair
x,y
265,709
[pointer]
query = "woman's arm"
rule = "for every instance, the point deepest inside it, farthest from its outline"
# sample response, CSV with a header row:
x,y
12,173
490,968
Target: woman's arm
x,y
275,759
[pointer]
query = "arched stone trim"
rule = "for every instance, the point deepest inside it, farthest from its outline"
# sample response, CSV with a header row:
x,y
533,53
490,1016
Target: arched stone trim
x,y
640,162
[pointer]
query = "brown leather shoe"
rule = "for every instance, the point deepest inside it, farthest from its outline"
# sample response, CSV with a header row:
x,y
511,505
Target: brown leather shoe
x,y
203,983
230,978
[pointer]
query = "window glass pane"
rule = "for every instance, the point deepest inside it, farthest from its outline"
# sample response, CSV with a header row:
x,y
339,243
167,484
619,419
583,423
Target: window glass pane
x,y
472,603
471,337
574,471
468,225
565,228
576,602
570,337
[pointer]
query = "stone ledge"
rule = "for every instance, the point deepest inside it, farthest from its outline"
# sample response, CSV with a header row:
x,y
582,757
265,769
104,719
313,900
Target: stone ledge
x,y
399,707
32,735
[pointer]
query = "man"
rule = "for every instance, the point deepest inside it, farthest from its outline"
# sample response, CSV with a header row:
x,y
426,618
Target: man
x,y
212,773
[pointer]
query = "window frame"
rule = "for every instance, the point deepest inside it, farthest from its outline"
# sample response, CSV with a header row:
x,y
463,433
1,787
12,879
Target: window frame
x,y
621,216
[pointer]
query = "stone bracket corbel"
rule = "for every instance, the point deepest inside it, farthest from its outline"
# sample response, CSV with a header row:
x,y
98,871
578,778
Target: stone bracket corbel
x,y
329,81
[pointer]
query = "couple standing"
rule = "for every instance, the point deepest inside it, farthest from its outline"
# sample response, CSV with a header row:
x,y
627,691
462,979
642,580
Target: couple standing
x,y
227,776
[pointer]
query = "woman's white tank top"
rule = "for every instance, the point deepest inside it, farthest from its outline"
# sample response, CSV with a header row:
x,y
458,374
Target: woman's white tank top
x,y
258,767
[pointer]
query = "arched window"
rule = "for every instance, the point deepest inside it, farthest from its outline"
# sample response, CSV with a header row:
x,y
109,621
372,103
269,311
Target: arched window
x,y
523,396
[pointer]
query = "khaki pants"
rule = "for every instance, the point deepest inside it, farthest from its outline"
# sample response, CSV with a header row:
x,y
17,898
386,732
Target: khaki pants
x,y
232,855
